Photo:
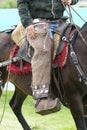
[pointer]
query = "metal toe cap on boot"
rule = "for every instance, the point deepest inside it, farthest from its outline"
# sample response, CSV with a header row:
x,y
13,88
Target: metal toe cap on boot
x,y
48,106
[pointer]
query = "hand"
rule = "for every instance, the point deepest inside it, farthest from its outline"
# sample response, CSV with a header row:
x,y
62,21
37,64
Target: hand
x,y
66,2
31,32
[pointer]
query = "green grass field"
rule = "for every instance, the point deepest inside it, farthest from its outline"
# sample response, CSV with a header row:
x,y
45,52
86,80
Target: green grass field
x,y
61,120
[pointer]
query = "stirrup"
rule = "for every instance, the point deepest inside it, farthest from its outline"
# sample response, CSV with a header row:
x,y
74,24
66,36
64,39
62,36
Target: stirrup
x,y
47,106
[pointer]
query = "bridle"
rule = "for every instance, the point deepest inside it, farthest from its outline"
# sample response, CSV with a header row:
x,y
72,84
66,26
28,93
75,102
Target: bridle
x,y
68,10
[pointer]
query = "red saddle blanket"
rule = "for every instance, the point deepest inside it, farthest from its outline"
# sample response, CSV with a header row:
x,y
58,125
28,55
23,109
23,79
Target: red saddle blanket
x,y
23,67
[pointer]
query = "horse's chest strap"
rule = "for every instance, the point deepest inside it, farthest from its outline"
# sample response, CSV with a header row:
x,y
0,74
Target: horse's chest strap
x,y
81,74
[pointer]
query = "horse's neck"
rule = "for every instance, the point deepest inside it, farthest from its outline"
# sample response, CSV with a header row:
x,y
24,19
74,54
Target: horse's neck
x,y
80,48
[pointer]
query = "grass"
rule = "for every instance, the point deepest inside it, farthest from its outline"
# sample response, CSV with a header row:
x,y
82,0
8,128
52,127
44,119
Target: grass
x,y
61,120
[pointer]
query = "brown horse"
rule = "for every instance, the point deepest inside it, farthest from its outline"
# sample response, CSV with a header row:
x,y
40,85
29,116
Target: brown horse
x,y
72,80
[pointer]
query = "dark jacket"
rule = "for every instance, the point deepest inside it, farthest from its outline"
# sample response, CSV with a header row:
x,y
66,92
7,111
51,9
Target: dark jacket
x,y
45,9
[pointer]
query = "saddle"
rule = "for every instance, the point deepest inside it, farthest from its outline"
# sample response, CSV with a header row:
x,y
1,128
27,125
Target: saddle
x,y
25,52
64,30
11,29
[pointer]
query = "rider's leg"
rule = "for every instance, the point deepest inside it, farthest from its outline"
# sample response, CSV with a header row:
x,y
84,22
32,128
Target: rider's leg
x,y
41,74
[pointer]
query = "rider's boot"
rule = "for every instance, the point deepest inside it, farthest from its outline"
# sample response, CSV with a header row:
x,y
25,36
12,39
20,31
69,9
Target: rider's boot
x,y
44,103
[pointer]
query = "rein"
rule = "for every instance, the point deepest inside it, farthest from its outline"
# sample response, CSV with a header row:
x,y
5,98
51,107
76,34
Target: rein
x,y
5,97
3,112
4,106
71,20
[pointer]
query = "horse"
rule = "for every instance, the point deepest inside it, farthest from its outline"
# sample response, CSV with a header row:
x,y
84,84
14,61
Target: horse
x,y
72,80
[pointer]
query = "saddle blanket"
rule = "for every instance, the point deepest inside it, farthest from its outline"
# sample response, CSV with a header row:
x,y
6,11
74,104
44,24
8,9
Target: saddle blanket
x,y
23,67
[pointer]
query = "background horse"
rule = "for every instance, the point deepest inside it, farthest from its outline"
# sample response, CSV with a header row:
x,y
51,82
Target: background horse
x,y
74,92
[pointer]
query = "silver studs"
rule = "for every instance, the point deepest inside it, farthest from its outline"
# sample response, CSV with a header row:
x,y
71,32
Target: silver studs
x,y
35,87
46,91
37,92
41,91
44,86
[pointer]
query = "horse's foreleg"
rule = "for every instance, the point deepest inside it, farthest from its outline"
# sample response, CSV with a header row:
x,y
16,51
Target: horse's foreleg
x,y
76,108
16,105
